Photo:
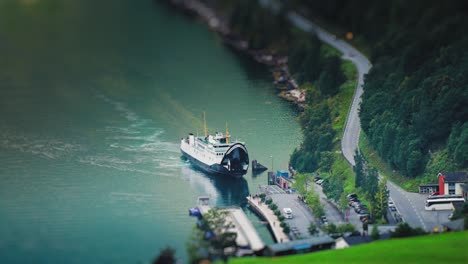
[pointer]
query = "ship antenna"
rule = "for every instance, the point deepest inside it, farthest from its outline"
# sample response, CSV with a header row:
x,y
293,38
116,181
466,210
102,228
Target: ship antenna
x,y
227,134
204,123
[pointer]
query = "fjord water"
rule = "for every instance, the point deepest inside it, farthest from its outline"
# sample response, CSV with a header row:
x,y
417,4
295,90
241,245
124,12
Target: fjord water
x,y
94,98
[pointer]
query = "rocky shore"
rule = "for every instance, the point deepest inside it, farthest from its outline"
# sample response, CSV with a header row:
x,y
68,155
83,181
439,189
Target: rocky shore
x,y
277,63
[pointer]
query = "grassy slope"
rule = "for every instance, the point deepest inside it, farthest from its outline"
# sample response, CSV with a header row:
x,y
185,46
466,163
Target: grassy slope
x,y
340,105
444,248
384,168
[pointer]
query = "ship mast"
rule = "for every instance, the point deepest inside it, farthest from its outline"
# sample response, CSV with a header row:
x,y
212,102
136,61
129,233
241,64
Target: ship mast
x,y
204,123
227,134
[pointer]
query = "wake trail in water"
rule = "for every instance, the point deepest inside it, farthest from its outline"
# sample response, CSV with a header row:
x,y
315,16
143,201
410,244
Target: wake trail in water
x,y
135,146
48,148
138,144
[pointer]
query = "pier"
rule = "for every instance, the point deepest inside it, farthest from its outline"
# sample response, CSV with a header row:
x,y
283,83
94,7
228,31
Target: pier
x,y
247,236
270,217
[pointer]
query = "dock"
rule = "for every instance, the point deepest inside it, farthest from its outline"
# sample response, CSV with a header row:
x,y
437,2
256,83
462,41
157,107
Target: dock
x,y
247,236
263,209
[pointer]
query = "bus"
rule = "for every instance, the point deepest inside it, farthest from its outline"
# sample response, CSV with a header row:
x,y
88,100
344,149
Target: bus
x,y
442,202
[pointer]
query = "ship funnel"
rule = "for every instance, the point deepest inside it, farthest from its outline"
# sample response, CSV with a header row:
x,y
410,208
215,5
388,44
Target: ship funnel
x,y
191,139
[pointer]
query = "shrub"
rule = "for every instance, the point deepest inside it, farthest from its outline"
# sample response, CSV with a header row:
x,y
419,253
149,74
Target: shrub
x,y
405,230
313,229
283,224
348,227
273,206
277,212
269,201
286,229
281,218
375,233
262,195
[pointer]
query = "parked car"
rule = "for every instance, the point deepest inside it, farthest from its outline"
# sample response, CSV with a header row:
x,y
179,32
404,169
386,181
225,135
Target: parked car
x,y
363,218
324,220
390,203
287,213
360,208
363,212
351,196
392,208
319,182
316,179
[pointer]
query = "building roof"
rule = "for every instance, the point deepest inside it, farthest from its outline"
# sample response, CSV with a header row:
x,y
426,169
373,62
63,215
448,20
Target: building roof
x,y
456,225
429,185
456,177
301,244
356,240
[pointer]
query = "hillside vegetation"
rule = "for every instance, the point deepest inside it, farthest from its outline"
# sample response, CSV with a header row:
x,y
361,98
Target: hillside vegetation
x,y
443,248
414,104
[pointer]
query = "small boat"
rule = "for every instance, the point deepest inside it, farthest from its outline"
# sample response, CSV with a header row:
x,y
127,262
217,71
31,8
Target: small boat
x,y
257,167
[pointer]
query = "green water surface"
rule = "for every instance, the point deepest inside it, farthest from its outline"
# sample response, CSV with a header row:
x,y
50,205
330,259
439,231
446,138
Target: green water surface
x,y
94,98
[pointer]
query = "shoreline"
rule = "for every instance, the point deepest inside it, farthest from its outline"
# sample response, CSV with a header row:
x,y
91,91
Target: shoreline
x,y
277,64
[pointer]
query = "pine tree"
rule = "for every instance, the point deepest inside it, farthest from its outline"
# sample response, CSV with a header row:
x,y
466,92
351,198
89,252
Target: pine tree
x,y
381,200
359,170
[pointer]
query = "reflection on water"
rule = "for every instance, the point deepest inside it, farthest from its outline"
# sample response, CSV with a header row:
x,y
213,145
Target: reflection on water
x,y
223,191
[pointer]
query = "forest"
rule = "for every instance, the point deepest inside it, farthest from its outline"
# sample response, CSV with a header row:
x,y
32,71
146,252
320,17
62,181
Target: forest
x,y
414,104
413,109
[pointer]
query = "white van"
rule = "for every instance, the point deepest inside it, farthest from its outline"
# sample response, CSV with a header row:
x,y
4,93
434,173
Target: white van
x,y
287,213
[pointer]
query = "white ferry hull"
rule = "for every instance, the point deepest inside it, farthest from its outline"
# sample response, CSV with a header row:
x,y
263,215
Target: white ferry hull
x,y
238,163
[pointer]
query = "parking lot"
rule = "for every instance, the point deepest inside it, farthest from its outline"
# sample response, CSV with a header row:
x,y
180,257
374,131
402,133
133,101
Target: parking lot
x,y
301,214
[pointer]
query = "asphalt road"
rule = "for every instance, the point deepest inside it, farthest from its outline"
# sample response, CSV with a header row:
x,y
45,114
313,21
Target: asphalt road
x,y
350,140
410,205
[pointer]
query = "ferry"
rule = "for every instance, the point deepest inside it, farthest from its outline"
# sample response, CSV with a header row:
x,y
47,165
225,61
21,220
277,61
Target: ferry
x,y
216,154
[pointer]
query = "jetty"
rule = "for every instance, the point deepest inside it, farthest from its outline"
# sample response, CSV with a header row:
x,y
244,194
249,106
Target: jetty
x,y
247,237
263,209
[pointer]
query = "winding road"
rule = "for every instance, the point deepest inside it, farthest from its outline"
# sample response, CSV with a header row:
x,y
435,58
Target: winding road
x,y
410,205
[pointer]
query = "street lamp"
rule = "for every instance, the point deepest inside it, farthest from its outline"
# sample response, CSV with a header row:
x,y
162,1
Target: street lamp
x,y
271,163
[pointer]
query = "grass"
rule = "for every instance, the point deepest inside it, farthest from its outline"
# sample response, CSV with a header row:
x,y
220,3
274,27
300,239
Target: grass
x,y
384,168
442,248
326,50
341,102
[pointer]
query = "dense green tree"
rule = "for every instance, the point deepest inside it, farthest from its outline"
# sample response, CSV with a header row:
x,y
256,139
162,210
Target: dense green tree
x,y
333,186
372,185
458,144
381,201
405,230
415,95
213,238
166,256
360,179
304,56
313,229
331,77
375,232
